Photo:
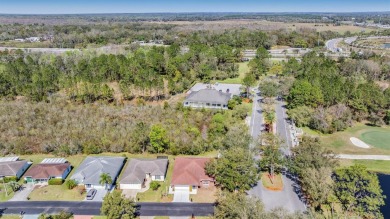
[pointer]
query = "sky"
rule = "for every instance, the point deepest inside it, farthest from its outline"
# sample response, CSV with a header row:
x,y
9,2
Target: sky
x,y
149,6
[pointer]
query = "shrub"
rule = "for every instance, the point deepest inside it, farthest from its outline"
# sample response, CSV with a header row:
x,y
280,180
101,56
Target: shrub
x,y
70,184
10,179
55,181
154,185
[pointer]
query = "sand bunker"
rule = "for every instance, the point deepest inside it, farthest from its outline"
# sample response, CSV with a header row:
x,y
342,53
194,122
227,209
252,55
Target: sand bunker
x,y
359,143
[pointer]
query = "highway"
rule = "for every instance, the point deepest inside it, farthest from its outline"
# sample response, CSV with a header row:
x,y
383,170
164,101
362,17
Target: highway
x,y
93,208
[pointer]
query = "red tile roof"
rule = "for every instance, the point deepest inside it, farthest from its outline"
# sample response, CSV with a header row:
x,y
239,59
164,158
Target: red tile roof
x,y
44,171
190,171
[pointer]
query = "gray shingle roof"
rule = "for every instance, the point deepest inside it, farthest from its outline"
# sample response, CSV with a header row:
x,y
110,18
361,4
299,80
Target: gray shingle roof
x,y
137,169
209,96
91,168
10,168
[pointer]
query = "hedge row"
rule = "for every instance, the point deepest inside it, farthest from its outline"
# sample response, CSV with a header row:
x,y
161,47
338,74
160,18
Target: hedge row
x,y
55,181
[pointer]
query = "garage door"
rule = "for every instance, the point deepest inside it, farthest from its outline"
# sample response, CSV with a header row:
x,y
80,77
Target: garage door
x,y
182,188
181,194
130,186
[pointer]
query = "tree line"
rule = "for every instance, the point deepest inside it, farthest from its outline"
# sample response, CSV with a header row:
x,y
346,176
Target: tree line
x,y
328,96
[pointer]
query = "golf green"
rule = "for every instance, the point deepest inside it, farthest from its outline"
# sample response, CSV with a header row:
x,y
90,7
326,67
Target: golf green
x,y
378,139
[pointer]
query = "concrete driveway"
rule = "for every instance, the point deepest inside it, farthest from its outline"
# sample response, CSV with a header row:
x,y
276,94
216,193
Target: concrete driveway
x,y
100,194
23,192
181,195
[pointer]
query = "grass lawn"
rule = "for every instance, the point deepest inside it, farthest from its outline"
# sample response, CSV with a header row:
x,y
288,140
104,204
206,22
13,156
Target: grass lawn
x,y
243,68
205,195
3,196
57,193
275,185
339,142
10,216
380,166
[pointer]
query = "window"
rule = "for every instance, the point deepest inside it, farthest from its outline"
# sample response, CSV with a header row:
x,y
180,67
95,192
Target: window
x,y
186,103
206,183
218,104
157,177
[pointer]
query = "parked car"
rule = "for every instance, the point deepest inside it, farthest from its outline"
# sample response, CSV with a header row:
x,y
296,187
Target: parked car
x,y
91,194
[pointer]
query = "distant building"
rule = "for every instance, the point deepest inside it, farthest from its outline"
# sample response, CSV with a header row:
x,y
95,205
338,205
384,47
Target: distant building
x,y
33,39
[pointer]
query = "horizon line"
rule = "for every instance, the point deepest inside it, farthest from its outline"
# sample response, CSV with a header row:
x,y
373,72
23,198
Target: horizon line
x,y
207,12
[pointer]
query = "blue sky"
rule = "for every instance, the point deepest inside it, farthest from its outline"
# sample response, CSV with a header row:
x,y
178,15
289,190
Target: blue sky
x,y
142,6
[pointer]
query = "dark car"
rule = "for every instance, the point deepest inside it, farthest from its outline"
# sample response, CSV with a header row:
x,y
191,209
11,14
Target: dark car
x,y
91,194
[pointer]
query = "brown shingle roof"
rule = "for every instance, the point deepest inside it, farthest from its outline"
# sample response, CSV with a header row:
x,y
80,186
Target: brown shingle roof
x,y
190,171
44,171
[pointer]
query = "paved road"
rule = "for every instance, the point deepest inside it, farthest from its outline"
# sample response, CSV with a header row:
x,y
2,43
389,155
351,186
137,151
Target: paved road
x,y
256,124
289,197
43,50
282,127
93,208
332,45
23,193
363,157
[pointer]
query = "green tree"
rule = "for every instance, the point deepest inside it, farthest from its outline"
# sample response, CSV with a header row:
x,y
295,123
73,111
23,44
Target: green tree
x,y
117,206
235,170
271,158
318,185
359,191
238,205
248,81
303,93
70,183
269,88
158,138
105,179
311,154
15,186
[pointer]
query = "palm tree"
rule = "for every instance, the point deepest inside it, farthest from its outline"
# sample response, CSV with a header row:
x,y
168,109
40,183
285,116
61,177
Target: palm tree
x,y
105,179
269,118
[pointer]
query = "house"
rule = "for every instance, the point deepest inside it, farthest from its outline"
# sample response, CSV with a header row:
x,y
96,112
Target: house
x,y
90,170
13,167
139,171
189,174
49,168
208,98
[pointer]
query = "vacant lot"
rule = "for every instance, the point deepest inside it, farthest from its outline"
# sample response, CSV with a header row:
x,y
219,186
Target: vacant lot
x,y
376,137
57,193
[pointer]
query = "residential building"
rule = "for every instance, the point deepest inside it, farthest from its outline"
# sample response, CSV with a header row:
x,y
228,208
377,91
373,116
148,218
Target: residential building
x,y
140,171
13,167
207,98
189,174
90,170
49,168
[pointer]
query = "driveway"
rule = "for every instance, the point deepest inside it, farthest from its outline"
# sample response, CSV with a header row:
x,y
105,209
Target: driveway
x,y
100,193
181,195
23,192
